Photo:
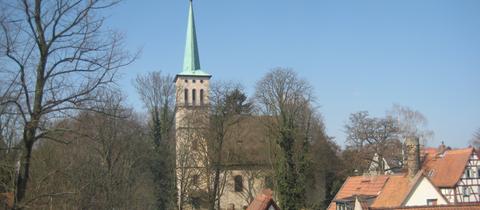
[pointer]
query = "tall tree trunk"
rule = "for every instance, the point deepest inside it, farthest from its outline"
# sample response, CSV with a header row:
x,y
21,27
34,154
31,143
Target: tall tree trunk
x,y
24,172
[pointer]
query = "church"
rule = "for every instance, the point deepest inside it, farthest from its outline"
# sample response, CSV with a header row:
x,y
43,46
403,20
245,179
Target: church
x,y
245,170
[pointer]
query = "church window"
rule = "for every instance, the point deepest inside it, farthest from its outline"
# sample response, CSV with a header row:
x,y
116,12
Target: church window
x,y
195,202
195,180
194,95
238,183
186,96
268,182
194,144
201,96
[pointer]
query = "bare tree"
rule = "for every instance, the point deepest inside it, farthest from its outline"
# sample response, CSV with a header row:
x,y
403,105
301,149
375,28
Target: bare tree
x,y
58,56
104,165
252,177
288,100
410,123
228,106
368,136
158,95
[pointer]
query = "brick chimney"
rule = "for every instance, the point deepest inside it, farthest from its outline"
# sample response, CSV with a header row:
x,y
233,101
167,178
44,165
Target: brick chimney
x,y
412,145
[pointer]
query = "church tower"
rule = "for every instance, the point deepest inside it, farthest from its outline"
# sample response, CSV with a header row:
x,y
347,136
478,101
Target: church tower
x,y
191,119
192,82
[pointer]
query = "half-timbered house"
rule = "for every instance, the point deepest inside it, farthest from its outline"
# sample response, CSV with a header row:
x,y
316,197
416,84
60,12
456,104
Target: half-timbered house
x,y
456,173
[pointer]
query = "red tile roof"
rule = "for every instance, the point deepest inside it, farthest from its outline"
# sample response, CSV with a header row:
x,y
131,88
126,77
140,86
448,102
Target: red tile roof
x,y
360,185
263,201
442,170
446,170
395,191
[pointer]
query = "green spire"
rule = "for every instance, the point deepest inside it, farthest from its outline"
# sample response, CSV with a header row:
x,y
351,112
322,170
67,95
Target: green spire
x,y
191,60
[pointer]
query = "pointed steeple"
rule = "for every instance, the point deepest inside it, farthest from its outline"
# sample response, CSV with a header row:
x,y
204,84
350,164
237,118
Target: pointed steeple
x,y
191,59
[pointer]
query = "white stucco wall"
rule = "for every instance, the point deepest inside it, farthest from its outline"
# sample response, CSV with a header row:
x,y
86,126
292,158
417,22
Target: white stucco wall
x,y
424,190
358,206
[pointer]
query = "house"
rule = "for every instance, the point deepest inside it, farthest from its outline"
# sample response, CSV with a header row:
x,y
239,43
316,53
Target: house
x,y
445,177
387,191
390,166
456,172
411,188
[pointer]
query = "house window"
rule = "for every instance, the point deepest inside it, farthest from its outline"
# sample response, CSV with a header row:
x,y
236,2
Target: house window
x,y
478,173
238,183
193,81
431,202
466,192
468,173
201,97
185,96
186,81
194,95
201,81
343,206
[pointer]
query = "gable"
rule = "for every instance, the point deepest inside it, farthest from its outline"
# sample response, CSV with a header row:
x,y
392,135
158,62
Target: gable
x,y
423,191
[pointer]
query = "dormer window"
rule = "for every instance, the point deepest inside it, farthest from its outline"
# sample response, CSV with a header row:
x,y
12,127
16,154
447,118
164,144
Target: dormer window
x,y
343,206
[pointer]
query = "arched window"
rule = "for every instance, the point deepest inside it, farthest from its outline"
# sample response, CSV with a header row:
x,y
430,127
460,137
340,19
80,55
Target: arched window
x,y
238,183
201,97
185,99
195,180
194,95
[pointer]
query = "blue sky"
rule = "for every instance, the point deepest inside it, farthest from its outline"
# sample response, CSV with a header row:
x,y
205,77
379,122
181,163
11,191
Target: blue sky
x,y
358,54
